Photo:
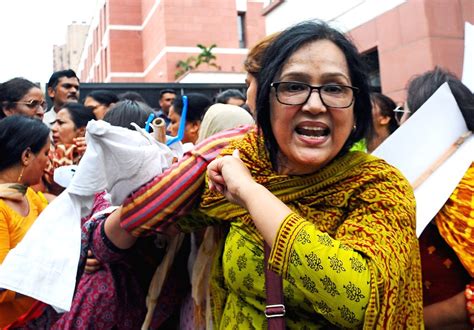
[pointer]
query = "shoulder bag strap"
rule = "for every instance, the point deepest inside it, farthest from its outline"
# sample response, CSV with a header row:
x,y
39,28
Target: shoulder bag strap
x,y
275,309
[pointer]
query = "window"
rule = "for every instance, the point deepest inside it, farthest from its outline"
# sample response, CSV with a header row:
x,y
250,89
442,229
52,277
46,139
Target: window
x,y
371,58
241,29
269,5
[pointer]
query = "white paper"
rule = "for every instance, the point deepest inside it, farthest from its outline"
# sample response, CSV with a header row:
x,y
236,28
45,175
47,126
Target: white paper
x,y
64,174
41,259
44,264
468,66
435,191
420,141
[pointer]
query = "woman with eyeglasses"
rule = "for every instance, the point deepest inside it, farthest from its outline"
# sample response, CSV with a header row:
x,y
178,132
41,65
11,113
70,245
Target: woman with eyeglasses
x,y
330,233
21,96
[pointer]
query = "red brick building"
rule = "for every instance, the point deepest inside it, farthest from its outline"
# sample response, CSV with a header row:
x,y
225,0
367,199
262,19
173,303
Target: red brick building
x,y
414,37
402,37
142,40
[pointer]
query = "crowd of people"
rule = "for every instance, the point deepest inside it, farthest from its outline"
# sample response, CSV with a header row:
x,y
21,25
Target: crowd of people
x,y
275,214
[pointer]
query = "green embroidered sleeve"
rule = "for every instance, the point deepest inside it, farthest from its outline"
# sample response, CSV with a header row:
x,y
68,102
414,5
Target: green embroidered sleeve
x,y
332,276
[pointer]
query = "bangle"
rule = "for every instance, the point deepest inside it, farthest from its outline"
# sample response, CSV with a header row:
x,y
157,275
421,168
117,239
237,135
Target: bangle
x,y
469,294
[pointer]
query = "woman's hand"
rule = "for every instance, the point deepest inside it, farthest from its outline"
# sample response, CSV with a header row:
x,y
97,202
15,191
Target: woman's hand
x,y
229,176
92,264
80,142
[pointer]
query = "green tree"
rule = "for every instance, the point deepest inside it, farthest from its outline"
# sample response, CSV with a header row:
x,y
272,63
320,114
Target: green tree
x,y
204,57
184,66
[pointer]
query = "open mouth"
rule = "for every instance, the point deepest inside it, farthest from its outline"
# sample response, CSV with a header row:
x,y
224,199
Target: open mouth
x,y
313,132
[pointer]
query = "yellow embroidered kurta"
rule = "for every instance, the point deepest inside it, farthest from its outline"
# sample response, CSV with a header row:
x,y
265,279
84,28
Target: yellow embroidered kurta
x,y
13,228
348,255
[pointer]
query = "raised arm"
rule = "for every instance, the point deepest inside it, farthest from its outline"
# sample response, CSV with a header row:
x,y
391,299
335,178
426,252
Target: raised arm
x,y
158,203
352,273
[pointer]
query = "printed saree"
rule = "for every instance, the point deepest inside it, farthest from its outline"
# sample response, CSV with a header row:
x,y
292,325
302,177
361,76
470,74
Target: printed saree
x,y
60,155
359,201
455,220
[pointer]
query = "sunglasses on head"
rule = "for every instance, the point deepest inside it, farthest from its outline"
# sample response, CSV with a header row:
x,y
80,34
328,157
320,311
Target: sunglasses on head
x,y
34,104
399,111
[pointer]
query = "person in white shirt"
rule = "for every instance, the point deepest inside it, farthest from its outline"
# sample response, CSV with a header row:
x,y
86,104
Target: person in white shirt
x,y
63,87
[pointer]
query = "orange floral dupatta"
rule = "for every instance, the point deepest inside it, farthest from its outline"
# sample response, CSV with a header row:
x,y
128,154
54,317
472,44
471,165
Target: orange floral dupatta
x,y
455,220
60,155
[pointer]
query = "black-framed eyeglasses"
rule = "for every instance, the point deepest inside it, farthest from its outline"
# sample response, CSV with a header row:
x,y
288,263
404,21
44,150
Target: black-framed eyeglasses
x,y
399,111
298,93
34,104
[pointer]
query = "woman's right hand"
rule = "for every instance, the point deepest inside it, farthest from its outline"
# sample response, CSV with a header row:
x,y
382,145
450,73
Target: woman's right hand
x,y
229,176
232,178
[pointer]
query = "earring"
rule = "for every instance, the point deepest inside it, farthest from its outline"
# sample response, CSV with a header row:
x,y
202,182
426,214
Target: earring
x,y
354,128
21,174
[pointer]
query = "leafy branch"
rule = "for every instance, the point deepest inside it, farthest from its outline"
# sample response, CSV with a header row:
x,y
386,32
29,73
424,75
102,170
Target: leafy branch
x,y
205,56
184,66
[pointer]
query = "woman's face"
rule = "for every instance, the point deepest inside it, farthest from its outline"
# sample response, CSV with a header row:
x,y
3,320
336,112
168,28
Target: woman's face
x,y
174,122
98,108
32,104
64,130
34,171
309,136
251,82
191,130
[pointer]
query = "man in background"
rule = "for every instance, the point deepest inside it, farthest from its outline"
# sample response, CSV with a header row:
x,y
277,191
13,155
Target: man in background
x,y
167,97
63,87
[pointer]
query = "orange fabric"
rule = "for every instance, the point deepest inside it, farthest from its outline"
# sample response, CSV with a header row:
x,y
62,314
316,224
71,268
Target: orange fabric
x,y
36,310
455,220
13,228
60,155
